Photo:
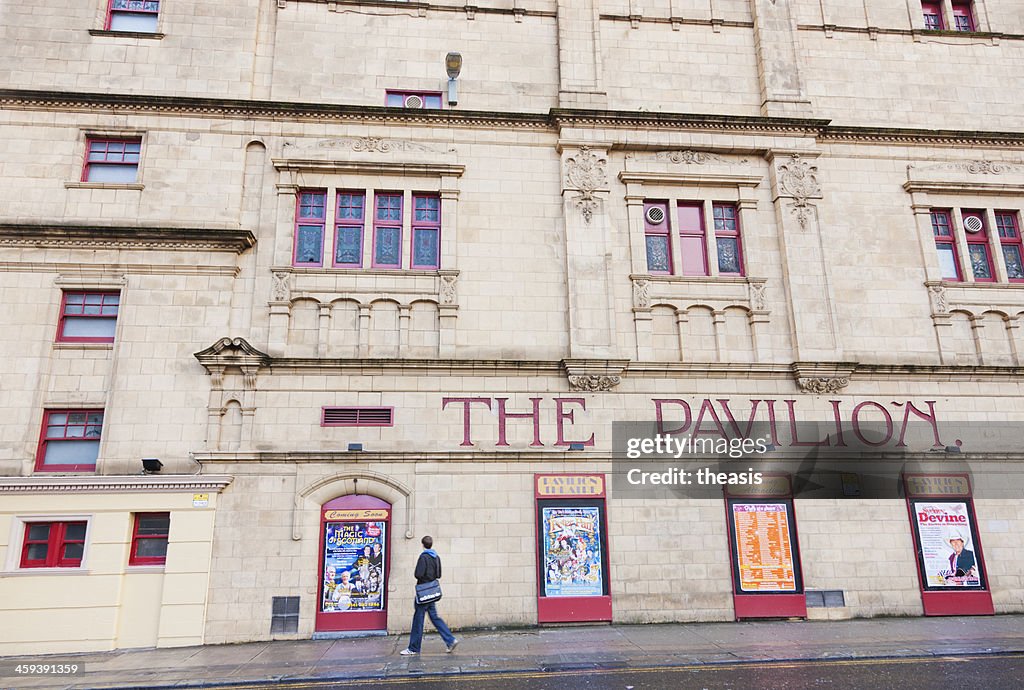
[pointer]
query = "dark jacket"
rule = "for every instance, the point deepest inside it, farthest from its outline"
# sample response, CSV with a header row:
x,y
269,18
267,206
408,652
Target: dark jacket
x,y
428,569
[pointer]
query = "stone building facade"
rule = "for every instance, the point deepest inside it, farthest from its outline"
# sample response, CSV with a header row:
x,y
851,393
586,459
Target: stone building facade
x,y
222,224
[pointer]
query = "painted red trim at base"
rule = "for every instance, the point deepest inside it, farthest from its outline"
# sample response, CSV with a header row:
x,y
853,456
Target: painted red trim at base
x,y
574,609
351,620
977,603
770,606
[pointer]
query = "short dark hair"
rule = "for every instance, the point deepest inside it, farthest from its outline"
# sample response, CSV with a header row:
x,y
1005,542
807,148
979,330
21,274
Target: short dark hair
x,y
427,541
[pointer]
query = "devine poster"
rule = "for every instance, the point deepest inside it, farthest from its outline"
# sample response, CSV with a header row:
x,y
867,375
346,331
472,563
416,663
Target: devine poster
x,y
947,549
353,566
764,549
572,552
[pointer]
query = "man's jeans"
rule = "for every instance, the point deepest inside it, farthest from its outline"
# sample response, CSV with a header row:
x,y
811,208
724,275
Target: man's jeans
x,y
416,636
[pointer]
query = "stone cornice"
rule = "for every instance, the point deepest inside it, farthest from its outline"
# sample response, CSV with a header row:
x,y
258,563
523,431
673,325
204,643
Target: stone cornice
x,y
114,484
29,234
556,118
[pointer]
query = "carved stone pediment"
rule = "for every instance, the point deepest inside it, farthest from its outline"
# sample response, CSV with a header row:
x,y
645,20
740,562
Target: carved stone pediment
x,y
232,352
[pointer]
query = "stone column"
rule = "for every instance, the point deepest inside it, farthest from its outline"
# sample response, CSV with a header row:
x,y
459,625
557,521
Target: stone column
x,y
579,55
778,71
448,313
588,253
806,273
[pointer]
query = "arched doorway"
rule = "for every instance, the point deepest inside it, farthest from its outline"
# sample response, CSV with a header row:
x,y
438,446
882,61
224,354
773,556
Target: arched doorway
x,y
355,561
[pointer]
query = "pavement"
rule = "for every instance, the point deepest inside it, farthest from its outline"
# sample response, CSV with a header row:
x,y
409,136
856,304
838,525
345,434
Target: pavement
x,y
551,649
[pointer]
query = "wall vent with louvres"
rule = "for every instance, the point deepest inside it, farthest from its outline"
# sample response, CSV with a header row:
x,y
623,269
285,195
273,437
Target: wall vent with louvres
x,y
358,416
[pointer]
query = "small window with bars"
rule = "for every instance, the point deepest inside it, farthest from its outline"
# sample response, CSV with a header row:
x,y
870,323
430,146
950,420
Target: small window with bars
x,y
284,616
357,416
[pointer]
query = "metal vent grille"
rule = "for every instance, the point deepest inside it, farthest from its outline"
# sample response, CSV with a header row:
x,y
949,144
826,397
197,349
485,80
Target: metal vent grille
x,y
974,224
414,101
655,215
357,416
284,616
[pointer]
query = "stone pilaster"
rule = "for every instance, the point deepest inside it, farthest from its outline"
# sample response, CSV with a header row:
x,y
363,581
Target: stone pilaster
x,y
579,55
775,44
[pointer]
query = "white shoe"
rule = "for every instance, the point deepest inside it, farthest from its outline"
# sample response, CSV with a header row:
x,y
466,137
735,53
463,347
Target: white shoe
x,y
408,652
451,647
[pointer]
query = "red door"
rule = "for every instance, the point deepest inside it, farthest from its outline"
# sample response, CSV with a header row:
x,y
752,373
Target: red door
x,y
354,563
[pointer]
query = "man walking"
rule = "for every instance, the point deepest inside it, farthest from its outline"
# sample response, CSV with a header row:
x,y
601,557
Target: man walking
x,y
428,569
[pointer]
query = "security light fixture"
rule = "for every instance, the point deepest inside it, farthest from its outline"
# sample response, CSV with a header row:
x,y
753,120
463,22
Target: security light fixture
x,y
151,465
453,65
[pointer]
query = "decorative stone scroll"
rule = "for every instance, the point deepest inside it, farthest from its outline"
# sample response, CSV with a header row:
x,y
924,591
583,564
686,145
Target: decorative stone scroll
x,y
689,157
593,383
822,385
799,180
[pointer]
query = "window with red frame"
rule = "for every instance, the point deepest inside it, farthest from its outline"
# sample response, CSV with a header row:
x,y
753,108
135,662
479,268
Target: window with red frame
x,y
658,237
424,100
727,239
111,160
692,249
310,217
70,441
426,231
133,15
348,230
1008,230
932,15
88,317
945,245
977,245
963,17
53,545
149,539
387,230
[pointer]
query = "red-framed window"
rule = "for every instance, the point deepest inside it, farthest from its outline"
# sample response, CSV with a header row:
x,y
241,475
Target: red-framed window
x,y
1008,229
692,247
963,16
133,15
70,441
88,317
111,160
53,544
426,231
417,100
310,216
149,538
727,239
932,15
348,229
977,245
658,237
387,230
945,245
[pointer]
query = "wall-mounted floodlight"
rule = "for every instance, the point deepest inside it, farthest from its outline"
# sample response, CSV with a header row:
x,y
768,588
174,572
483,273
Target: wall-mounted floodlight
x,y
453,65
151,465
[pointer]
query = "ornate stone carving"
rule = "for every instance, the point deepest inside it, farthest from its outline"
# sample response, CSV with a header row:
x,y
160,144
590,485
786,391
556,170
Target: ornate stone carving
x,y
822,385
689,157
586,172
937,293
371,144
367,144
758,299
799,180
641,293
282,290
593,382
448,286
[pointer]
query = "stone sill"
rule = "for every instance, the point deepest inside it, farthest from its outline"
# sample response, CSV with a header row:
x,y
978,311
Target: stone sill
x,y
29,572
83,346
104,185
126,34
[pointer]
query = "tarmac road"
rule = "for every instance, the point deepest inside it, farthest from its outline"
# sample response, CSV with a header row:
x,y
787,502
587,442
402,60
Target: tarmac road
x,y
990,671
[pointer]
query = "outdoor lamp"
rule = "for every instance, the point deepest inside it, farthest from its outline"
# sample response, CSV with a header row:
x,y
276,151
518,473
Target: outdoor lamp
x,y
151,465
453,65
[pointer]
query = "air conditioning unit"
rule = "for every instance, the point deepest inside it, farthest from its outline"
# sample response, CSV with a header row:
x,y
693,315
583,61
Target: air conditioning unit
x,y
655,215
973,224
414,101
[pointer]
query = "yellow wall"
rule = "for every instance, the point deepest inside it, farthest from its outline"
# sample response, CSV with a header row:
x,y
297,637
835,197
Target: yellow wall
x,y
105,604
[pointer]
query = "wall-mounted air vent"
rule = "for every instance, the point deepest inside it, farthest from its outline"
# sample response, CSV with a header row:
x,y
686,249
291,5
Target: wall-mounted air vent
x,y
414,101
973,224
358,416
655,215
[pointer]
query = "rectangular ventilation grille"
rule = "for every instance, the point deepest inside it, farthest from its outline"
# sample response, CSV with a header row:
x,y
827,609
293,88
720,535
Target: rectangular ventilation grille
x,y
284,615
825,598
358,416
